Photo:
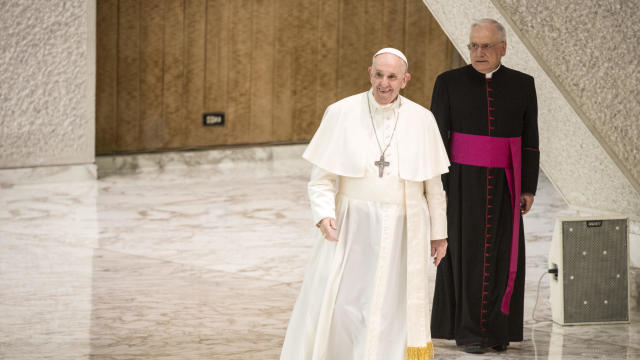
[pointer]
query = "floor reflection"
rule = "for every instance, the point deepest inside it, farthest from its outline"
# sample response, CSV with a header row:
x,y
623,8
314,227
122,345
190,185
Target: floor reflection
x,y
204,263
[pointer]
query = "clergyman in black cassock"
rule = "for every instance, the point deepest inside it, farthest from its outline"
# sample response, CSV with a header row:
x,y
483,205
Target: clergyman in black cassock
x,y
488,100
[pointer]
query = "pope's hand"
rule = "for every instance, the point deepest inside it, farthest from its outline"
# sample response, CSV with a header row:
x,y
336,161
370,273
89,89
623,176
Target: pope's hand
x,y
329,229
438,250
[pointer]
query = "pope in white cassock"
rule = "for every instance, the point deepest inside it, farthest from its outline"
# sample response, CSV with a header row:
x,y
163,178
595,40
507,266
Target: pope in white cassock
x,y
377,199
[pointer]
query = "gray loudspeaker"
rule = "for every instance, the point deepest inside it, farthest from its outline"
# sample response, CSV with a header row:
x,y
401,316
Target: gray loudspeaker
x,y
591,256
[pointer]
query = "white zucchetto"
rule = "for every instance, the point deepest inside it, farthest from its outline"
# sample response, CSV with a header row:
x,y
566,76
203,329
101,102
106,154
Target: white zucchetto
x,y
393,51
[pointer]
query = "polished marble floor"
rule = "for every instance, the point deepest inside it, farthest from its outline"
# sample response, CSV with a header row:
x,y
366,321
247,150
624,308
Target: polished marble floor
x,y
204,262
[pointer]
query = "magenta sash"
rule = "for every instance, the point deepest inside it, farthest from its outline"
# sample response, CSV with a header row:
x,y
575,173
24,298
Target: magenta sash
x,y
488,151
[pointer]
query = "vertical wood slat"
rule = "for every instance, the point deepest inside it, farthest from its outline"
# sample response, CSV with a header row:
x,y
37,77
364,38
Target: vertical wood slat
x,y
174,71
416,35
271,66
152,127
194,68
283,83
305,65
216,97
384,27
128,117
239,77
393,20
327,59
262,62
354,58
374,27
106,76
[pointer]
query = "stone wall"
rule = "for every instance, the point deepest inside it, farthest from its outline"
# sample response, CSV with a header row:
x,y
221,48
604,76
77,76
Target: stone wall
x,y
47,84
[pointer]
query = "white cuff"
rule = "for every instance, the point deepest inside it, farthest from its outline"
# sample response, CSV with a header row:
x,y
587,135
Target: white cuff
x,y
437,202
322,194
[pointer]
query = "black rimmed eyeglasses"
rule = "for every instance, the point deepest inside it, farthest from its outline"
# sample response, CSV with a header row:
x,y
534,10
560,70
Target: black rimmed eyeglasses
x,y
473,46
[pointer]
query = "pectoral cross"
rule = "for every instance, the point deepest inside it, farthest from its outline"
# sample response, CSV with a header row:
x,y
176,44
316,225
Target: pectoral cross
x,y
381,164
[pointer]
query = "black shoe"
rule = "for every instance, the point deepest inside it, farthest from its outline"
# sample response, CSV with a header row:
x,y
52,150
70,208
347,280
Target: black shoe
x,y
474,349
499,348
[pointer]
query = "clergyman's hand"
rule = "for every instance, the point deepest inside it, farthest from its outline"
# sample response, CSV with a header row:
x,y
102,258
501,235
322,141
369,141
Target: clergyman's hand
x,y
526,200
329,229
438,250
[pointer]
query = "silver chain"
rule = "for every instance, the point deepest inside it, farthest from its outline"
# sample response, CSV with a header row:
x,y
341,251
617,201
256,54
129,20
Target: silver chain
x,y
374,125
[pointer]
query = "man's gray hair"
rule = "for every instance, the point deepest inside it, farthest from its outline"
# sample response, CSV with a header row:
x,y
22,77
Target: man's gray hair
x,y
488,21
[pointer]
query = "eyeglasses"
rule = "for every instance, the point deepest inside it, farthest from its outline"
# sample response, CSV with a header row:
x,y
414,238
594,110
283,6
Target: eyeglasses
x,y
483,47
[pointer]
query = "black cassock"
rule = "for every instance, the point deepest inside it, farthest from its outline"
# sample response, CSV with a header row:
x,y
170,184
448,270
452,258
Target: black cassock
x,y
472,278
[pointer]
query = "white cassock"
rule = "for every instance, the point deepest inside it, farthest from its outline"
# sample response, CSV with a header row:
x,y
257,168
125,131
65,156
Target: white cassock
x,y
365,297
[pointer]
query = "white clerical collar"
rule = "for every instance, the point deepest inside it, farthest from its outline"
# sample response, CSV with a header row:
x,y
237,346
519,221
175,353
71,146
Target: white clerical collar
x,y
375,106
489,75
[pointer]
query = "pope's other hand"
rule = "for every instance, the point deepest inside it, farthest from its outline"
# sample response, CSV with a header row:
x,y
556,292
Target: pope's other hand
x,y
329,229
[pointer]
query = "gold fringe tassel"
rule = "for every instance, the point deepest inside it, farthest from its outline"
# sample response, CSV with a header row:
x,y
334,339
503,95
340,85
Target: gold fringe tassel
x,y
420,353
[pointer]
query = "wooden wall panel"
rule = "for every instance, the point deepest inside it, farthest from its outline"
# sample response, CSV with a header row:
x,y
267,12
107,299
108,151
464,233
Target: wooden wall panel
x,y
218,64
416,32
352,48
385,27
283,83
152,129
107,75
128,119
173,108
304,67
195,13
262,63
239,75
392,29
328,55
272,66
